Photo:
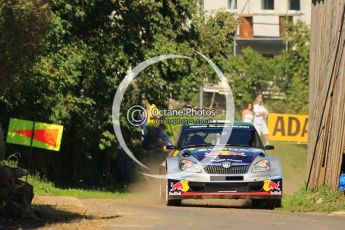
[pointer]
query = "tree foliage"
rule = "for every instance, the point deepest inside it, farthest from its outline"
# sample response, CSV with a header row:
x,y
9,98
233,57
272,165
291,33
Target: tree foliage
x,y
80,53
296,85
22,28
250,74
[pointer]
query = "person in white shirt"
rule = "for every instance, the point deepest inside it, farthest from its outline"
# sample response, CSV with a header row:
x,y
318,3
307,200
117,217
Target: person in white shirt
x,y
260,116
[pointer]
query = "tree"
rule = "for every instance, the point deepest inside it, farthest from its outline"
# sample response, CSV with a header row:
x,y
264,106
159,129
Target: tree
x,y
85,53
296,84
250,74
23,25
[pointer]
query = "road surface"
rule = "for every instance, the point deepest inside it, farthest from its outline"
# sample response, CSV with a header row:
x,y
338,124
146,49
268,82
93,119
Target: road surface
x,y
144,212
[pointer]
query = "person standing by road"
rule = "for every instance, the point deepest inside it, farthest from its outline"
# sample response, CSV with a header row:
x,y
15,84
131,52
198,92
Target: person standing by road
x,y
149,111
260,116
247,113
154,133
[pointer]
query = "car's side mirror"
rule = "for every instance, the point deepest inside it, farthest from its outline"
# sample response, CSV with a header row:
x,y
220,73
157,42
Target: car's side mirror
x,y
269,147
171,147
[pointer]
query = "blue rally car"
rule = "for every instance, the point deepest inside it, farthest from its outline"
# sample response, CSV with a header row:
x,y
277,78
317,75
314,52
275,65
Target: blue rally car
x,y
199,167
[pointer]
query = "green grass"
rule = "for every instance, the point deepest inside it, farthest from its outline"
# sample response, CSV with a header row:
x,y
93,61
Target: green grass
x,y
308,200
296,197
46,188
294,163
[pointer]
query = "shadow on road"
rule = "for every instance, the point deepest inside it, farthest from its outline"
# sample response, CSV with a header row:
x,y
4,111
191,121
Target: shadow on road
x,y
46,215
233,204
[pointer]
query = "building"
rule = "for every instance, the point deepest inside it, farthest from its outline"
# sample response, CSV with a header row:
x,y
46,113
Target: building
x,y
262,22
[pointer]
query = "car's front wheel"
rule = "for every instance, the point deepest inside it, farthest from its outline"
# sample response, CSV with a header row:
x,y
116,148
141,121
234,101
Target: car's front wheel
x,y
174,202
274,203
270,203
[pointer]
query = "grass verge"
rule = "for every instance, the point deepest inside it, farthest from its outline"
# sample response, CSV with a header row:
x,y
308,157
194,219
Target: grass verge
x,y
46,188
294,163
310,200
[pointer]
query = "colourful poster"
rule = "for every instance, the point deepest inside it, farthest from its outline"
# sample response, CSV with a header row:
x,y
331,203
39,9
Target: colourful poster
x,y
40,135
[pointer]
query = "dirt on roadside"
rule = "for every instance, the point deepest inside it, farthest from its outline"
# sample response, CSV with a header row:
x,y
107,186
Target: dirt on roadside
x,y
60,213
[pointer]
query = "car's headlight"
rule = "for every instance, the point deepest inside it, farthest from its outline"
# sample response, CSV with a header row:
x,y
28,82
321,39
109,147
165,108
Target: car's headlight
x,y
261,166
190,166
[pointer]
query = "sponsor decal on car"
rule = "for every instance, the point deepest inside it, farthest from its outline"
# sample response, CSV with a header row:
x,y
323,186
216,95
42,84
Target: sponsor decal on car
x,y
274,177
273,187
250,150
190,178
218,160
175,193
180,186
225,153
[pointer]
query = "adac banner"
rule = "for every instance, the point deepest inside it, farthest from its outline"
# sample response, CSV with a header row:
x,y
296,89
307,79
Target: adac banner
x,y
288,127
37,134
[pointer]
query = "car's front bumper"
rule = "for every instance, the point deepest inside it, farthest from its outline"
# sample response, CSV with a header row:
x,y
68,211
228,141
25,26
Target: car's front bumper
x,y
265,189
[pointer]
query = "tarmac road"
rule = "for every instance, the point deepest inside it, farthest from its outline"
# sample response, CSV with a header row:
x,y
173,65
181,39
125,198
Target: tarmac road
x,y
146,212
206,214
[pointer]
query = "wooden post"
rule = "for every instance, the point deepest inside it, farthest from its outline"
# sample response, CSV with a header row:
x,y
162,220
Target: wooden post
x,y
201,97
212,100
327,93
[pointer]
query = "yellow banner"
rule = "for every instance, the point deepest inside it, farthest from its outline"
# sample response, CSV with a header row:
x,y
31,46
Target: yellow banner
x,y
288,127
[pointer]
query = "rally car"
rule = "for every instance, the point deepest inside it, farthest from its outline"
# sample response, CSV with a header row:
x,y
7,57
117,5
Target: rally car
x,y
200,166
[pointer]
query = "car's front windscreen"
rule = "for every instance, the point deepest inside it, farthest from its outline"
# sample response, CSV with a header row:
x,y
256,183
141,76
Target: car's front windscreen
x,y
243,136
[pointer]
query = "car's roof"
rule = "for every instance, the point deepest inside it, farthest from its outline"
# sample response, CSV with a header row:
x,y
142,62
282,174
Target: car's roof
x,y
219,122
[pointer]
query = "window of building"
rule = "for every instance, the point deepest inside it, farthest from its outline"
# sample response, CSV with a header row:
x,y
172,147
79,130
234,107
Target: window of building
x,y
267,4
232,4
294,4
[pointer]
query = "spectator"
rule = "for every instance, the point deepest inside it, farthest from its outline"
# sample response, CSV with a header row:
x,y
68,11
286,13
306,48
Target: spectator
x,y
247,114
156,137
260,116
149,110
149,117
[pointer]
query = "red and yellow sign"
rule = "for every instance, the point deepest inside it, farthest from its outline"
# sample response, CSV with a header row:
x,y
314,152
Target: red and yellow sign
x,y
288,127
40,135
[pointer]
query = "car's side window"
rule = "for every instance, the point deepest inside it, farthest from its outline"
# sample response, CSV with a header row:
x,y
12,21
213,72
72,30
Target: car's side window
x,y
257,142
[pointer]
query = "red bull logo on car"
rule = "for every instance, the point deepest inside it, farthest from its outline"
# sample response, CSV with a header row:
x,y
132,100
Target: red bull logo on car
x,y
181,186
270,186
